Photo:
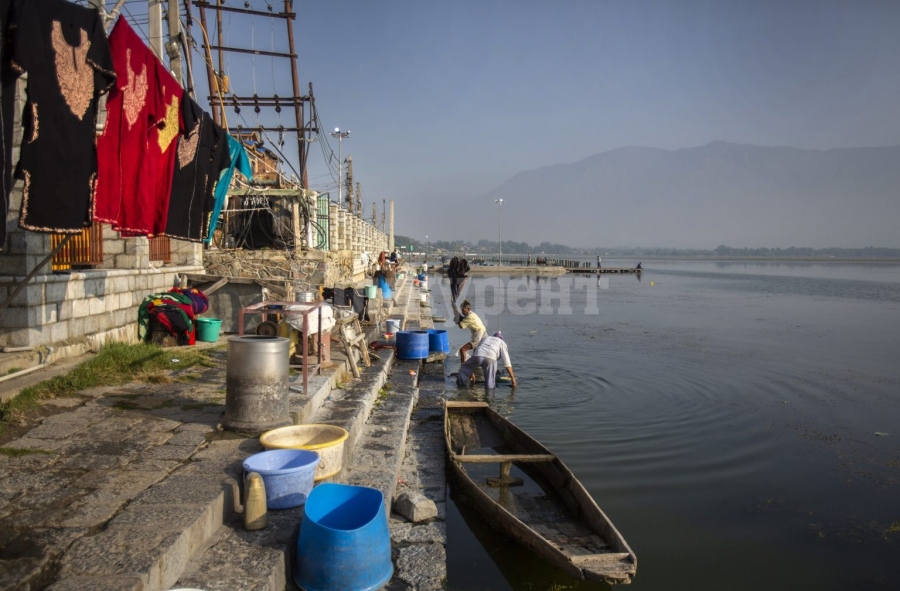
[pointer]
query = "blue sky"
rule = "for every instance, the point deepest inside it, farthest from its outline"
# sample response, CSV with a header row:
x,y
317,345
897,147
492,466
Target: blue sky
x,y
447,100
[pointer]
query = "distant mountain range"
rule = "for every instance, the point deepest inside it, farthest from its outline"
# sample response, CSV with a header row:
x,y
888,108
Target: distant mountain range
x,y
720,193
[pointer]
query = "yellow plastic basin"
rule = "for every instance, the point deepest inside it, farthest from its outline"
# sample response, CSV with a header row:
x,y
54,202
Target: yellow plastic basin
x,y
327,440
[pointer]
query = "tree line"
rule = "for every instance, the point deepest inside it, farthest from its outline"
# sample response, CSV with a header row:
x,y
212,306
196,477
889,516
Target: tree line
x,y
403,243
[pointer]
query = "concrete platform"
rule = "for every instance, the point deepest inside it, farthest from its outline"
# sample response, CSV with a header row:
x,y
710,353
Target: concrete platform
x,y
137,488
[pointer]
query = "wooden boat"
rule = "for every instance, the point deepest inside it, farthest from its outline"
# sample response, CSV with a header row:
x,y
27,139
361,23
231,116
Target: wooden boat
x,y
533,498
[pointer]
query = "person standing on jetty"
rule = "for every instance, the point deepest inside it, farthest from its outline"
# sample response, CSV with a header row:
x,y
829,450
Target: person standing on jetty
x,y
456,271
469,319
485,356
598,261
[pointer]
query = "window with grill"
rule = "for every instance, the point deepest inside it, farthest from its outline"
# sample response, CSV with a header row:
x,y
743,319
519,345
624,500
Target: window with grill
x,y
82,250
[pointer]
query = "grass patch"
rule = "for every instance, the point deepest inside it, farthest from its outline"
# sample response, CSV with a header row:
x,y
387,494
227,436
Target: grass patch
x,y
15,453
189,377
14,370
198,405
115,364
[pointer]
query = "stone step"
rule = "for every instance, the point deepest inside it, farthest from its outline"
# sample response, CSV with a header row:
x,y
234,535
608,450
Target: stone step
x,y
263,560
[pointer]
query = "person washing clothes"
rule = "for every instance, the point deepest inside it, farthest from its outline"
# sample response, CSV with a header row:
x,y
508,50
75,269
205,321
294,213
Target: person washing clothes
x,y
467,319
485,356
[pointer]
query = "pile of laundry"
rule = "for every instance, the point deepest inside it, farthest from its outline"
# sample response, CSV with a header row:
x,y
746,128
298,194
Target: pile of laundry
x,y
173,310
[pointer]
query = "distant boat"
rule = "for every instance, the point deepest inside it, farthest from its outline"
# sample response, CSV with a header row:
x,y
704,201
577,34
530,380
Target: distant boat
x,y
533,498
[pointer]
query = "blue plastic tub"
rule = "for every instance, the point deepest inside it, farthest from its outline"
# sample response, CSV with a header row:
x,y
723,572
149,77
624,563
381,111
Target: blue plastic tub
x,y
344,540
288,474
438,341
412,344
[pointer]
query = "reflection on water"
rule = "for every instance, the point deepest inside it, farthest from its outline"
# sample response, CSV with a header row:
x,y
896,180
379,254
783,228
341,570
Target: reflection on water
x,y
724,416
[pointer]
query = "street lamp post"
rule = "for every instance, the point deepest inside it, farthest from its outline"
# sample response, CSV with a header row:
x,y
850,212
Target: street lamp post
x,y
499,202
426,248
340,135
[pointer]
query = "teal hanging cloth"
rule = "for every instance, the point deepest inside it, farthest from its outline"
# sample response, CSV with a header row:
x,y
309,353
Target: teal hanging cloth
x,y
239,159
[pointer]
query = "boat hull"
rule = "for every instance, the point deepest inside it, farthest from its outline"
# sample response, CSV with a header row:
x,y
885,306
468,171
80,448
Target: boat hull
x,y
533,497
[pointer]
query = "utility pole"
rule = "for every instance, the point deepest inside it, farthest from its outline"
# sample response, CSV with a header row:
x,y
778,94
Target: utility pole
x,y
359,208
374,213
391,235
154,13
173,47
349,181
99,5
382,215
499,202
221,93
340,136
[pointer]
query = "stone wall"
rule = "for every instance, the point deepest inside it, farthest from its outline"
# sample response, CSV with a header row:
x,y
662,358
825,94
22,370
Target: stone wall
x,y
304,271
80,311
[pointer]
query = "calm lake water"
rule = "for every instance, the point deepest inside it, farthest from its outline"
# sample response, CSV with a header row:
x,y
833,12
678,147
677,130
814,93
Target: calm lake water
x,y
738,422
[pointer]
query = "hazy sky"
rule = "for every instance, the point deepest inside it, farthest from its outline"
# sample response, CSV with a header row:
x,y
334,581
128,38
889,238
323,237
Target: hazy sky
x,y
446,100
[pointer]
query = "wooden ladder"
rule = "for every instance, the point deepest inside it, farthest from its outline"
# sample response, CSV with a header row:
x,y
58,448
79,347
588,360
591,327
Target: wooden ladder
x,y
353,337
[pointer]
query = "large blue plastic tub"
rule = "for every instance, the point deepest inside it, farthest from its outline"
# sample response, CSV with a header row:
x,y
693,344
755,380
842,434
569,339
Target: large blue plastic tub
x,y
412,344
288,474
438,342
344,542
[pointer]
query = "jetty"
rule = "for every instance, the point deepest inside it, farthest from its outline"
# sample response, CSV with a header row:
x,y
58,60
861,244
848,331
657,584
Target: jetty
x,y
511,270
552,268
604,271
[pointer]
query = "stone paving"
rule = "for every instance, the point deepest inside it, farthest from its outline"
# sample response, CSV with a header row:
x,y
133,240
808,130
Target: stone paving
x,y
137,488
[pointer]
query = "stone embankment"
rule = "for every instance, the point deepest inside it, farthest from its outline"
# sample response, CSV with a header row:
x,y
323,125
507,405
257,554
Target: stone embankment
x,y
135,488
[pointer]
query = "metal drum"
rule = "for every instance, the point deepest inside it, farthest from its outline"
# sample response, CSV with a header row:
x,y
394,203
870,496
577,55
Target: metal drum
x,y
257,397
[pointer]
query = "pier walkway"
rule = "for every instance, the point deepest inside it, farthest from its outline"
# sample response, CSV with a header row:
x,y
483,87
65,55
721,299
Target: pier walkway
x,y
136,488
604,271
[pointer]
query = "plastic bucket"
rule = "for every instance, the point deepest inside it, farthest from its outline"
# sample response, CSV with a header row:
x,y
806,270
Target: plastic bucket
x,y
287,474
371,291
344,540
412,344
438,341
326,440
208,329
423,298
392,325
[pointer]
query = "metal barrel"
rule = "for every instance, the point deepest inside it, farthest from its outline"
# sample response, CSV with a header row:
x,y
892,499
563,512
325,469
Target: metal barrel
x,y
257,397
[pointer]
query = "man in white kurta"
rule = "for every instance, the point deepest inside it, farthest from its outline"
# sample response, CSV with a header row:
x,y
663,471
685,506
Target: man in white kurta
x,y
485,356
